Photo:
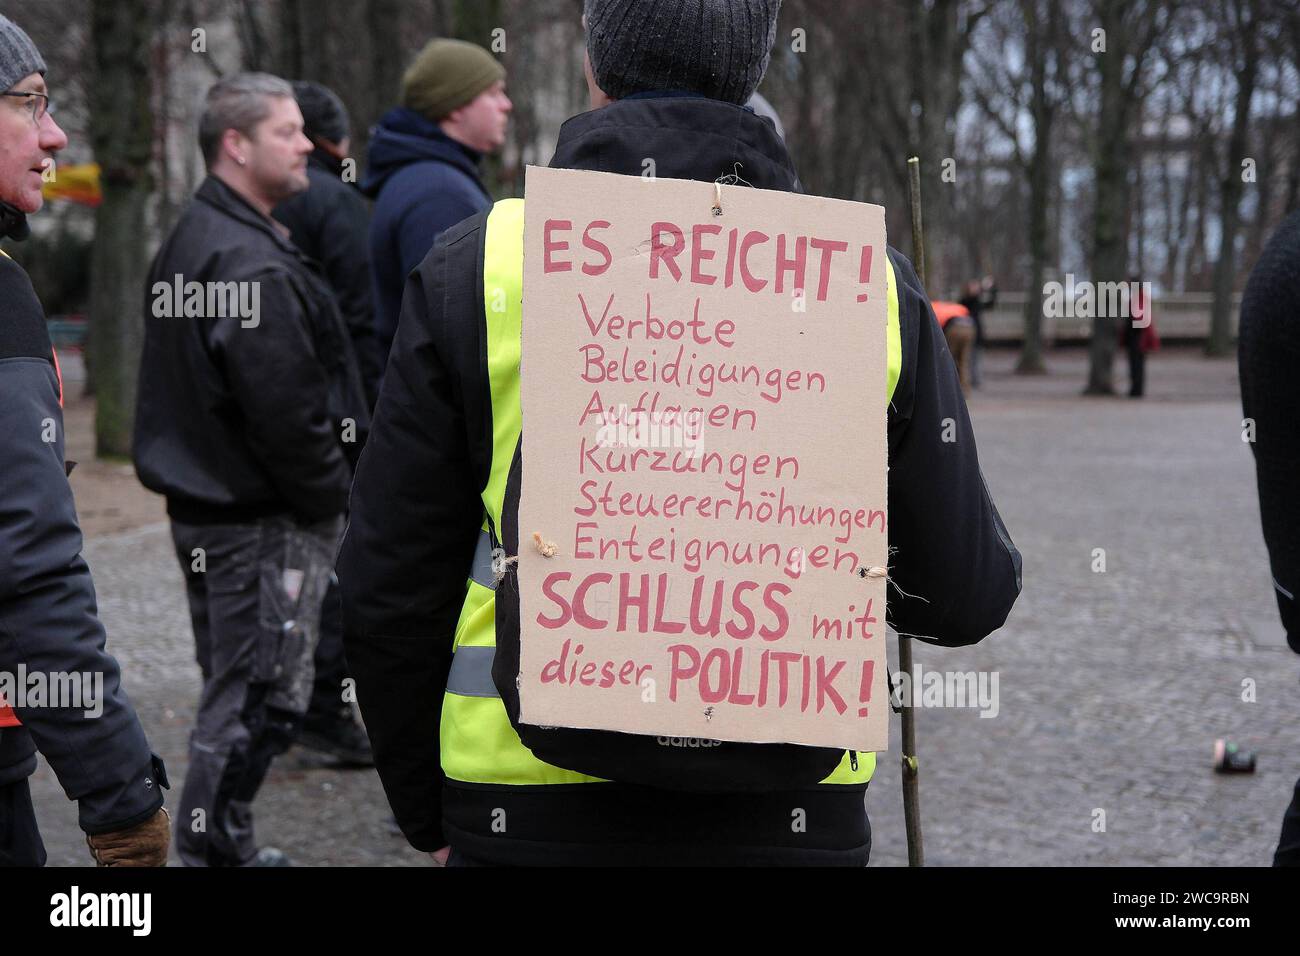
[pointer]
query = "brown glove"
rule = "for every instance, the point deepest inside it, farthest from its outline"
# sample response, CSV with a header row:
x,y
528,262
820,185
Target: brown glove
x,y
142,845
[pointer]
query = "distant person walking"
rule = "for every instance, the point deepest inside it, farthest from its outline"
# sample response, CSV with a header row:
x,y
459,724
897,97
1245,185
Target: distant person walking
x,y
423,170
959,332
1138,336
978,295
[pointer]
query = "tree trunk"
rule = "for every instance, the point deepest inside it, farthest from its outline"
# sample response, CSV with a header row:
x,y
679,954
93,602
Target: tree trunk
x,y
1292,201
1137,210
1178,220
474,20
259,53
1231,188
1042,41
1110,210
387,63
1203,170
289,55
1270,158
1031,353
121,130
939,35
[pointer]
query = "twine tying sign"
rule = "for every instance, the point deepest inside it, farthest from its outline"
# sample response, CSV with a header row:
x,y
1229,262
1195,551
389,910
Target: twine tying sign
x,y
731,179
501,564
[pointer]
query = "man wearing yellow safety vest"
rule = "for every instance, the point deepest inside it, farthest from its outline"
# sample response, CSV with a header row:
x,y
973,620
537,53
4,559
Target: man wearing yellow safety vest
x,y
438,486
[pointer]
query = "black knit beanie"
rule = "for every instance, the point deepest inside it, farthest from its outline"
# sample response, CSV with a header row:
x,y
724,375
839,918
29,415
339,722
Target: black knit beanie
x,y
717,48
323,114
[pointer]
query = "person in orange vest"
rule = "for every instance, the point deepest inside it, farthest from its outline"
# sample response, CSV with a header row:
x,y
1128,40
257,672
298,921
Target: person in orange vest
x,y
49,629
959,330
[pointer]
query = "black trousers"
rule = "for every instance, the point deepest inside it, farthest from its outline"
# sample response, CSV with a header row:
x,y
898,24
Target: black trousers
x,y
1137,367
20,840
255,593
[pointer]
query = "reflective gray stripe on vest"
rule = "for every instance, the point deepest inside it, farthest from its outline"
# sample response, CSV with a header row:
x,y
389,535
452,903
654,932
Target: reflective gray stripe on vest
x,y
471,672
481,571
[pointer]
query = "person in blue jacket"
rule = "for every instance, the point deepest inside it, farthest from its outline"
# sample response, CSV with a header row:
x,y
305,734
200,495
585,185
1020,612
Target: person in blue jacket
x,y
423,168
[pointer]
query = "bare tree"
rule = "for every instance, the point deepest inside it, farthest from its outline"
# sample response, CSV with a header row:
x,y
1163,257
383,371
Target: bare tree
x,y
334,42
475,20
848,80
1006,91
1239,21
1123,34
121,130
1290,18
939,34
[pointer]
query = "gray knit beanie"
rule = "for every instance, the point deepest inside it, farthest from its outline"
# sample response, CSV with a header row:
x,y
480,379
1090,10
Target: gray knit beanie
x,y
18,54
717,48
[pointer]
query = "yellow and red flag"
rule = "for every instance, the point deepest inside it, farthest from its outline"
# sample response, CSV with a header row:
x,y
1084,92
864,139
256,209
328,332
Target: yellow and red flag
x,y
78,184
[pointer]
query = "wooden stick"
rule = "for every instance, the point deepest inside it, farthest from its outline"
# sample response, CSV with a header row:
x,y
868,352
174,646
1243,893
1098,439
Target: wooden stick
x,y
911,772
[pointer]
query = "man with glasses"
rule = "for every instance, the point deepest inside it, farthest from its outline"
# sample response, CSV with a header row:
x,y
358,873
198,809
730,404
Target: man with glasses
x,y
38,104
48,622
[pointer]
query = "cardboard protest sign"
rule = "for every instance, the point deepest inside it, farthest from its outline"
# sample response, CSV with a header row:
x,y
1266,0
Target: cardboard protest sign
x,y
704,445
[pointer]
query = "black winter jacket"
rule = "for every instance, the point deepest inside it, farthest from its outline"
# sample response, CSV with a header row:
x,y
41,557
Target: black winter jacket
x,y
330,222
416,513
48,617
243,418
1268,356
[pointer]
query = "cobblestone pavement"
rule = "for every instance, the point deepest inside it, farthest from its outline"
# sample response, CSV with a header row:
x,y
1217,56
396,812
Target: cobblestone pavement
x,y
1112,686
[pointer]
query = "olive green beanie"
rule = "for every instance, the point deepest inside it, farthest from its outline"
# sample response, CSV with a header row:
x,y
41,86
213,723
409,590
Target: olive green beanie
x,y
446,75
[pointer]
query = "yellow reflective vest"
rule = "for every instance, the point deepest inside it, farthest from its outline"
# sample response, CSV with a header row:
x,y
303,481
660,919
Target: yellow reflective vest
x,y
477,742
